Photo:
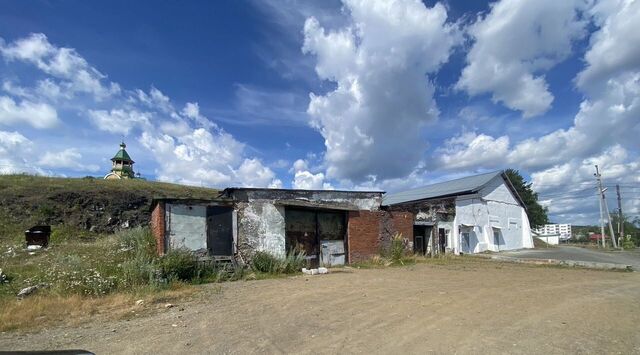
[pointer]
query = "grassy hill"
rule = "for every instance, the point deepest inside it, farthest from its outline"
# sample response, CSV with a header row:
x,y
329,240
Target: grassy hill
x,y
83,206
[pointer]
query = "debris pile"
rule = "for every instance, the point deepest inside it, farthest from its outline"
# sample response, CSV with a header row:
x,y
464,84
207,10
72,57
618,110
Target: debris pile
x,y
320,270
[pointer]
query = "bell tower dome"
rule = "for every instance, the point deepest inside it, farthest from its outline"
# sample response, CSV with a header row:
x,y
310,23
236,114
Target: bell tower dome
x,y
122,165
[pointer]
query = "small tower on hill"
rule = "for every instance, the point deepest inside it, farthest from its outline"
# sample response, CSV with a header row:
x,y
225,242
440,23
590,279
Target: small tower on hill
x,y
122,167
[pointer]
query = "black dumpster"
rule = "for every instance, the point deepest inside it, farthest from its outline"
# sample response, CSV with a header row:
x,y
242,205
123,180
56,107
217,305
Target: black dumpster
x,y
38,235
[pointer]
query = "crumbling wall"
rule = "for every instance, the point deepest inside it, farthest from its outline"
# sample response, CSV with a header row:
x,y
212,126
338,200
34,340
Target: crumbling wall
x,y
396,222
261,227
158,226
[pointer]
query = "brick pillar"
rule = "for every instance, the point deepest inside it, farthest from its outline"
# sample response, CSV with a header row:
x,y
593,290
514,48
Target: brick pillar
x,y
158,226
403,223
363,234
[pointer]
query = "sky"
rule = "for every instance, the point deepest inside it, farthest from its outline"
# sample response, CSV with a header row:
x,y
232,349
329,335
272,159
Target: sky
x,y
352,94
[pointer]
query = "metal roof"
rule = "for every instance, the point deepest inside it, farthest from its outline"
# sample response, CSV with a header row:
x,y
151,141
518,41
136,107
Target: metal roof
x,y
465,185
122,154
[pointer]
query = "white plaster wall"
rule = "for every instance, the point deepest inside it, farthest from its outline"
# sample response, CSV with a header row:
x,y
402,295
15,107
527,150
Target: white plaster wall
x,y
526,230
550,239
508,218
187,227
483,216
262,225
472,212
497,190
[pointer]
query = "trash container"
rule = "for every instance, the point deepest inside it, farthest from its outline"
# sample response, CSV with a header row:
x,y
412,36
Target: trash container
x,y
38,235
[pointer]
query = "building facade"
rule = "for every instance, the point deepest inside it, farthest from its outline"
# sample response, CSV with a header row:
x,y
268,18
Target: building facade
x,y
469,215
562,230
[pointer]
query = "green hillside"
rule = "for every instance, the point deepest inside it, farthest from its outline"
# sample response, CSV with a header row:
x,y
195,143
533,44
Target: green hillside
x,y
83,206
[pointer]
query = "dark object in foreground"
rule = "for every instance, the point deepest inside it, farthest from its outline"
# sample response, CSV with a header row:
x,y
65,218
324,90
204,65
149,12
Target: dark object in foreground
x,y
50,352
38,235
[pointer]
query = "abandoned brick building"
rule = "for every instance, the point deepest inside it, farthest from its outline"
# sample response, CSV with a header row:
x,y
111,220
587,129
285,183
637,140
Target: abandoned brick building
x,y
336,227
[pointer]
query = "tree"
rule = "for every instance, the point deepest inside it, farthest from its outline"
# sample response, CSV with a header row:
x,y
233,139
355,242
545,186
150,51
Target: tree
x,y
536,213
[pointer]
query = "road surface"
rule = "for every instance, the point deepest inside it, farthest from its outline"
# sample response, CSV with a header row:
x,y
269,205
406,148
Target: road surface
x,y
563,252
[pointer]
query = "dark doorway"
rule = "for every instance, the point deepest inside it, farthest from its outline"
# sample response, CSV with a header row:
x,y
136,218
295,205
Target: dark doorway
x,y
421,236
442,240
220,230
319,233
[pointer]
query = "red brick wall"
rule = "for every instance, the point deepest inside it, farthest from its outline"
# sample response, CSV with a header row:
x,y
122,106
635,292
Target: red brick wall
x,y
402,222
158,226
363,235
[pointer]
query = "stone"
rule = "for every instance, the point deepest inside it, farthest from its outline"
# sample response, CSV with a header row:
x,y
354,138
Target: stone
x,y
27,291
169,305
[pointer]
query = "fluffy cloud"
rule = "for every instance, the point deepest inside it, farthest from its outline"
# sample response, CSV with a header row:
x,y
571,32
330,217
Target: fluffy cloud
x,y
38,115
516,40
569,189
614,48
253,173
66,64
119,121
305,180
605,119
186,146
470,150
13,147
372,121
69,158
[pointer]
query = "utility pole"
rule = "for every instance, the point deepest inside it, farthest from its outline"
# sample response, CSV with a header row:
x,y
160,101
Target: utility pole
x,y
620,217
603,202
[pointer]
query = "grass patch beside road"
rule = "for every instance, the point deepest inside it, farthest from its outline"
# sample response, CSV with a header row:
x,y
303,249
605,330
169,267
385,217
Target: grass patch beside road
x,y
76,277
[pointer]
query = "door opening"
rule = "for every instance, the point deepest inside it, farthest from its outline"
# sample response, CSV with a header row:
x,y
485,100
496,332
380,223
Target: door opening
x,y
320,234
220,230
421,235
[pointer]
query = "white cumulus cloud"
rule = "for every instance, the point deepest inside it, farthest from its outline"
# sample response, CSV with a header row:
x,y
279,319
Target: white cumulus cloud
x,y
471,150
74,72
36,114
379,62
69,158
516,41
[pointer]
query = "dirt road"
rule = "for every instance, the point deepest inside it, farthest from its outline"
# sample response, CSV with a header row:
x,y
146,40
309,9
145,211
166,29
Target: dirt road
x,y
470,307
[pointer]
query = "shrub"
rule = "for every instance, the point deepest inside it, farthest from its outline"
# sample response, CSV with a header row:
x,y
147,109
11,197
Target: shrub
x,y
294,262
627,243
179,264
266,263
397,249
138,240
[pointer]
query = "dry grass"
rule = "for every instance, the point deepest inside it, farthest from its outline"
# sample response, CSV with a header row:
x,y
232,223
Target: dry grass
x,y
43,310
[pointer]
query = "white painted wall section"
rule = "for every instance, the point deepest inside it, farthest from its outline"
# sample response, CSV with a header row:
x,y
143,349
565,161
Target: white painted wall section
x,y
491,220
263,225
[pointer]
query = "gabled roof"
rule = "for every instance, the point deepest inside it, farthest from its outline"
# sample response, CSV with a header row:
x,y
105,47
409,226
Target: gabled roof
x,y
463,186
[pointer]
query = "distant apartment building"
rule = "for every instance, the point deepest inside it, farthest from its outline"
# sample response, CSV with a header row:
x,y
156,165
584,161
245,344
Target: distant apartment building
x,y
563,230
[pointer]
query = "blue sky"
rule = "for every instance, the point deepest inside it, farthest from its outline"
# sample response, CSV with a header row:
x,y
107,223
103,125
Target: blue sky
x,y
306,94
